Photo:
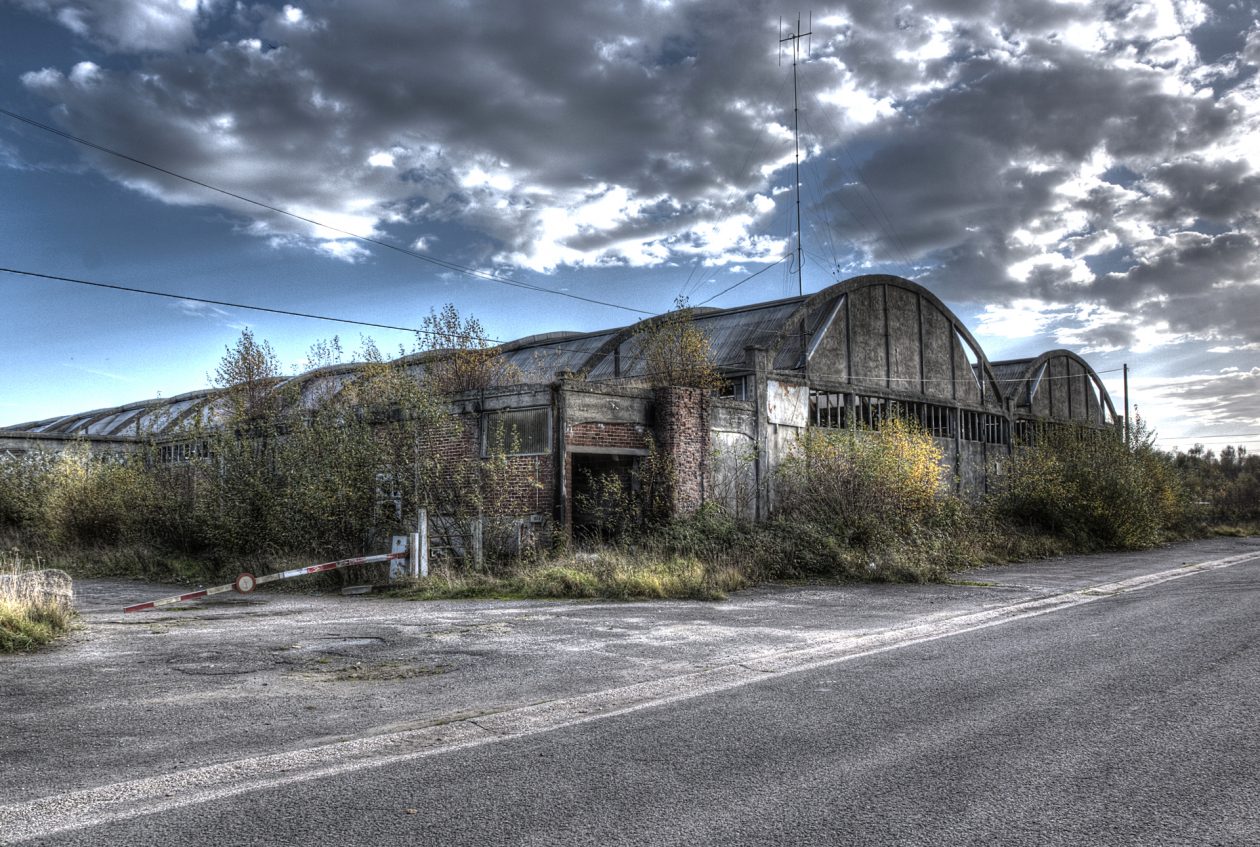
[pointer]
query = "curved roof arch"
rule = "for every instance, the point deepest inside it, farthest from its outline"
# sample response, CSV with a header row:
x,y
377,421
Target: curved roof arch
x,y
788,340
1024,380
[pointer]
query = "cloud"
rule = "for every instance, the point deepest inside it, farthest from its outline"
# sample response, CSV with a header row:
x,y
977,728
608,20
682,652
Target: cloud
x,y
133,26
1087,172
1202,404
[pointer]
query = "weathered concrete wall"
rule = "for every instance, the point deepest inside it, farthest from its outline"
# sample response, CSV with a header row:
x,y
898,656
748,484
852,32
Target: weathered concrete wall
x,y
606,404
736,416
1076,391
733,473
938,339
19,443
785,414
1055,376
903,338
869,344
733,457
971,470
966,388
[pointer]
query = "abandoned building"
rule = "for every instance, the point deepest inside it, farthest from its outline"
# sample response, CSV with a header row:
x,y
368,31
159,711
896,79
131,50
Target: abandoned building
x,y
847,356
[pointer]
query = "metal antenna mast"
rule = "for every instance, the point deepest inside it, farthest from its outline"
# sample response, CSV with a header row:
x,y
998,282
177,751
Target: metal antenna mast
x,y
795,38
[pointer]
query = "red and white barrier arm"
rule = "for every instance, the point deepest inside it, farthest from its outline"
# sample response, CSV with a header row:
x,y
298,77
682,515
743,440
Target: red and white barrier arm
x,y
247,582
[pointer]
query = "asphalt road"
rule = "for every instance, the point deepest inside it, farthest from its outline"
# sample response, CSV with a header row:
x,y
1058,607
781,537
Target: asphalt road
x,y
1109,700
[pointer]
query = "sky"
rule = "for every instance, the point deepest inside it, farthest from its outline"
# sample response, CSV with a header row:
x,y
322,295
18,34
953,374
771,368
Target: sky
x,y
1062,174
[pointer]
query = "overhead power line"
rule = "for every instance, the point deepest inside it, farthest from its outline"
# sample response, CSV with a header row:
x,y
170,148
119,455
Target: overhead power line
x,y
442,263
190,298
741,282
187,297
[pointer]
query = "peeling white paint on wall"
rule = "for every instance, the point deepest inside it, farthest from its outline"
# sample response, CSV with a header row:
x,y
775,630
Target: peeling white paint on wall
x,y
786,404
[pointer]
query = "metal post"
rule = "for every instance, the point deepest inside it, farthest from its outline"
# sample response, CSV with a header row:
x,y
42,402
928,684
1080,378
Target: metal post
x,y
1126,404
424,542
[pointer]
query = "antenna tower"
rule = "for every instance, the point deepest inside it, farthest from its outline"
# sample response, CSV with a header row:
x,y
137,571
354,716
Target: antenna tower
x,y
795,38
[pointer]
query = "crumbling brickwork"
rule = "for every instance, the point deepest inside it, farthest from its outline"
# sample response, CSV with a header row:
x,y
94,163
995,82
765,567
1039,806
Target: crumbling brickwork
x,y
529,478
625,436
682,432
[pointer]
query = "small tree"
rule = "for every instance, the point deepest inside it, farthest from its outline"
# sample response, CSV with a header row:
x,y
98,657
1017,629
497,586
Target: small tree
x,y
465,358
676,352
247,374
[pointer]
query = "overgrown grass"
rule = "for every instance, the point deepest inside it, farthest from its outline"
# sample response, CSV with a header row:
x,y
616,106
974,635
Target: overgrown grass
x,y
608,574
1243,529
35,605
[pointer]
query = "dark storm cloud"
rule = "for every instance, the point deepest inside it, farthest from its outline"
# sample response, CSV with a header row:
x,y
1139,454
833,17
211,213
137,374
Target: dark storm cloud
x,y
1065,153
559,103
1221,192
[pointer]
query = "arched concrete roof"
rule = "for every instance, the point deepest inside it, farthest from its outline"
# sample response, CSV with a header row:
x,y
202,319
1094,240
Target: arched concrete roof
x,y
1021,379
788,339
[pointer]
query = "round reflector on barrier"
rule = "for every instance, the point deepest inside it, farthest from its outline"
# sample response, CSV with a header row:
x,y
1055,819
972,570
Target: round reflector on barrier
x,y
245,583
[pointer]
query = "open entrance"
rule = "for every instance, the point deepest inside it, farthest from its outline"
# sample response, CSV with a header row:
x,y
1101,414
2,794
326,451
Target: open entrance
x,y
605,492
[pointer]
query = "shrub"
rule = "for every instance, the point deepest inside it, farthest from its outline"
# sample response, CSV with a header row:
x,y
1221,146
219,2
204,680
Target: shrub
x,y
864,487
1091,488
25,482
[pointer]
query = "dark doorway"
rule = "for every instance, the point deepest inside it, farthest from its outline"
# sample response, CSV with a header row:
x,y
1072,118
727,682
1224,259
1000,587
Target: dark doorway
x,y
605,492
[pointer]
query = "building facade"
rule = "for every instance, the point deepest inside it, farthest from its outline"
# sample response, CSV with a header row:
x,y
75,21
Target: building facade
x,y
584,404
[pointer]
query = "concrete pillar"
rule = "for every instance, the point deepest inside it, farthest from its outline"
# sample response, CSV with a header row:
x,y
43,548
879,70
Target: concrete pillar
x,y
757,359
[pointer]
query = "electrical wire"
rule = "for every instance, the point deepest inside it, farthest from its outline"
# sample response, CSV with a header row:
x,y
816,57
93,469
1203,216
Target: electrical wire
x,y
442,263
742,281
190,298
550,349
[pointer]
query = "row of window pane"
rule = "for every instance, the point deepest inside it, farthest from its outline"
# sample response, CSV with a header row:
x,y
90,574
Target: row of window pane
x,y
826,409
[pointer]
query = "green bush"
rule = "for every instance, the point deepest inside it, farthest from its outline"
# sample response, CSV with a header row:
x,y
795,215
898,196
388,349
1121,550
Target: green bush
x,y
1094,490
864,487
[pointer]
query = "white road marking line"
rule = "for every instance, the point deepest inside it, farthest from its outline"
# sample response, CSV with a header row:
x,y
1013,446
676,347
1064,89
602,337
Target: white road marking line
x,y
154,795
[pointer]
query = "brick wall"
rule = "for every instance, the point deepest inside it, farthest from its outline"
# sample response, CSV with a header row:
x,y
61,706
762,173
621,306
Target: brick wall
x,y
529,478
682,431
625,436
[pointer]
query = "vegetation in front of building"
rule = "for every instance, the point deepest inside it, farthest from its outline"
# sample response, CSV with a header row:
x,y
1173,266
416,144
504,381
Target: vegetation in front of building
x,y
281,482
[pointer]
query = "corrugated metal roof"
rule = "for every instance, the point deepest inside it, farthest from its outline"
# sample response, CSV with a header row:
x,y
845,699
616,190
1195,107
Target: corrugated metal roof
x,y
540,358
730,332
1011,371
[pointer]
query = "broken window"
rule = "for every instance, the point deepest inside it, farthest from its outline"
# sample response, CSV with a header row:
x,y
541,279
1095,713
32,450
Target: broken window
x,y
826,408
522,432
735,388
